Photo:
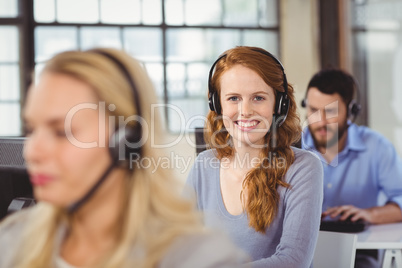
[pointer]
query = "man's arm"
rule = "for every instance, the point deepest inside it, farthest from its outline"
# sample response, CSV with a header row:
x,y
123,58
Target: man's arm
x,y
388,213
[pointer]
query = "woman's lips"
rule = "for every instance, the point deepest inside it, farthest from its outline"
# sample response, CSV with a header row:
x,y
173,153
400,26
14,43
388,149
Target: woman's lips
x,y
40,179
246,125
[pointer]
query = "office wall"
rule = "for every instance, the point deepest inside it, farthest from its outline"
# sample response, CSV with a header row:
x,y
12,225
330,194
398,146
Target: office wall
x,y
300,44
299,50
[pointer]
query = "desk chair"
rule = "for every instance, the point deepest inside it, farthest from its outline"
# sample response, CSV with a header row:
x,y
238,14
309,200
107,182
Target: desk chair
x,y
199,140
335,250
14,179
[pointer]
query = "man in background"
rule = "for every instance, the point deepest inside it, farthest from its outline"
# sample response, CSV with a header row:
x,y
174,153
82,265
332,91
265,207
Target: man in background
x,y
358,162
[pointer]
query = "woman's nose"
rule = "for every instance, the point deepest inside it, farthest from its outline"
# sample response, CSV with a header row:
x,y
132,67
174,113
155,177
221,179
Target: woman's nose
x,y
246,108
34,148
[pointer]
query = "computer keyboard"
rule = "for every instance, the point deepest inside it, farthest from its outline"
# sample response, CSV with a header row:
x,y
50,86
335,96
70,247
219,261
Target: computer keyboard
x,y
346,226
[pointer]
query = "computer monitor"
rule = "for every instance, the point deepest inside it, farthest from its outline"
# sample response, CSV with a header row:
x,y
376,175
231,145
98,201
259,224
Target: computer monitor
x,y
14,179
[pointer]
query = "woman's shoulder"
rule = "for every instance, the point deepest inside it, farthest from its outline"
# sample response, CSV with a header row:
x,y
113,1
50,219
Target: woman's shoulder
x,y
208,154
11,233
15,222
207,160
305,158
209,249
306,167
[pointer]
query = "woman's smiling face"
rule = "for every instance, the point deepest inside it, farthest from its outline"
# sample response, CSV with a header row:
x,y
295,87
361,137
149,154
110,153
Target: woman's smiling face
x,y
247,106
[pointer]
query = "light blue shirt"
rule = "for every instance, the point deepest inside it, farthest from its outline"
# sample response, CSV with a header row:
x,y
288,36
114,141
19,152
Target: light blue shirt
x,y
366,166
291,238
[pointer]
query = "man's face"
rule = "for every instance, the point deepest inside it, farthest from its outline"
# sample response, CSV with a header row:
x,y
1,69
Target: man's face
x,y
326,116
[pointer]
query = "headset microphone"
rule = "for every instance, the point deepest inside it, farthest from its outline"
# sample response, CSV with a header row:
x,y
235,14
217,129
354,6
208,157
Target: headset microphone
x,y
122,138
116,140
75,206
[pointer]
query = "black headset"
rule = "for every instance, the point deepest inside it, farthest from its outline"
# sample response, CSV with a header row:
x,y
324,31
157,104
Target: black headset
x,y
353,108
282,100
122,137
127,137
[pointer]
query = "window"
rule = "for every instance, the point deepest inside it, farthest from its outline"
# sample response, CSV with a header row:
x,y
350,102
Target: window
x,y
176,40
377,62
10,95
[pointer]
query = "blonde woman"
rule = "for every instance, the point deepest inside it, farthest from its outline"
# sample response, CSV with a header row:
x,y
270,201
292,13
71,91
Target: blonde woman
x,y
252,184
88,119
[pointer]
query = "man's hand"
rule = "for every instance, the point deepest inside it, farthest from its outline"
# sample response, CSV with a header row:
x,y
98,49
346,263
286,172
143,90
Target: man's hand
x,y
388,213
349,211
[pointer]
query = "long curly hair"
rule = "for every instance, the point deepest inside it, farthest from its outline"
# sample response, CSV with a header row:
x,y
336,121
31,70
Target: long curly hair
x,y
261,183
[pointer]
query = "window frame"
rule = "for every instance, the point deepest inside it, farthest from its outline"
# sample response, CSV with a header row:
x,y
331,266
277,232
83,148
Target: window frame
x,y
335,41
27,24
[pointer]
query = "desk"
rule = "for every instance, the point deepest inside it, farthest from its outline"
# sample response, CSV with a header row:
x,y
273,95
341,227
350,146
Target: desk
x,y
383,236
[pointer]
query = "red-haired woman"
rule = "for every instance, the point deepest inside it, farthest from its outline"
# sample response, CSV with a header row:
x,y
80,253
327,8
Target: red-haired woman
x,y
265,194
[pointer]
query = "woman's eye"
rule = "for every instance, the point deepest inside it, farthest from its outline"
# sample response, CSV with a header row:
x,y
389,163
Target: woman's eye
x,y
259,98
28,131
233,98
60,133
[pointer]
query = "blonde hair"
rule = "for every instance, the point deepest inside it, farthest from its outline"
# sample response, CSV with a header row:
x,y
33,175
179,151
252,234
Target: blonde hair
x,y
261,183
154,213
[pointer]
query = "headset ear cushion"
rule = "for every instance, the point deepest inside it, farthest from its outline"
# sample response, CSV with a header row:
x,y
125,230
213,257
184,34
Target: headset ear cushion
x,y
281,108
303,103
281,104
211,102
124,144
217,104
214,103
354,108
